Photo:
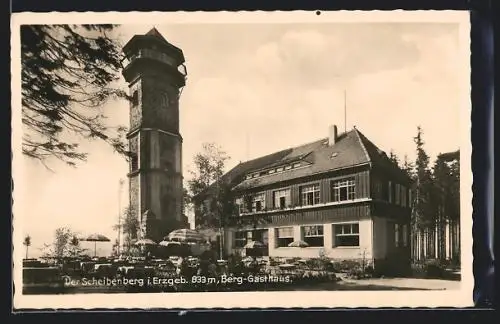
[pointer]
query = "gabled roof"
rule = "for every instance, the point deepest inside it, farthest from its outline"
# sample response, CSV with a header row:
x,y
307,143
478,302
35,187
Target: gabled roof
x,y
318,157
351,149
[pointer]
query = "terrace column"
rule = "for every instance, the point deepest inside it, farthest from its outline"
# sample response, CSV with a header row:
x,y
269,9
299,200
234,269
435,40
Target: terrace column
x,y
297,233
328,236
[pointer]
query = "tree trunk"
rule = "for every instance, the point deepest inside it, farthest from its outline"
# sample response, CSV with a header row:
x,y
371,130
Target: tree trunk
x,y
422,244
433,240
459,250
414,247
450,239
442,234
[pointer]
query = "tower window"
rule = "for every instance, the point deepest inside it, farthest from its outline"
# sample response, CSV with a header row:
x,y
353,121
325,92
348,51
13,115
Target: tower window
x,y
134,162
135,98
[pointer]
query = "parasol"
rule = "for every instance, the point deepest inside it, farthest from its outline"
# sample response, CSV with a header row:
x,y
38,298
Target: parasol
x,y
145,242
169,243
185,235
254,245
300,244
96,238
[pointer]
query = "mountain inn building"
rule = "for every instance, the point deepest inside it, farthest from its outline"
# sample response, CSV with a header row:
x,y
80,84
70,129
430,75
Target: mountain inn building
x,y
341,195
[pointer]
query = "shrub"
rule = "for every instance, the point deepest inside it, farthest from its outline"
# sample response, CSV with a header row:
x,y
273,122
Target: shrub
x,y
434,269
346,265
356,273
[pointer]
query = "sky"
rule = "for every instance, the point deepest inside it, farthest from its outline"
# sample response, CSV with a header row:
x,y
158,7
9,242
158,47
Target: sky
x,y
258,88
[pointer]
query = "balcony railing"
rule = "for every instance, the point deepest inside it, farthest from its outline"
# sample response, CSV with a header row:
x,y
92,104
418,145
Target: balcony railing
x,y
155,55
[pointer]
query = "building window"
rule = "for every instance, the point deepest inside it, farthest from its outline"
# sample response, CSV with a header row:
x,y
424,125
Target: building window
x,y
397,195
313,235
135,98
404,201
390,192
259,236
241,205
410,201
258,202
240,239
271,171
344,190
279,169
404,233
249,237
346,234
134,162
284,236
377,189
385,190
296,165
309,195
397,235
282,198
288,167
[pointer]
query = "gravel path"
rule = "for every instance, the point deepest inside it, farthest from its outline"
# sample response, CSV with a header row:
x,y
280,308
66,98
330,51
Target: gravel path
x,y
399,284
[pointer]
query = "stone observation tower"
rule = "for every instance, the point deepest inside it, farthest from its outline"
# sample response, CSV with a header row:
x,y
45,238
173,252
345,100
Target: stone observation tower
x,y
155,72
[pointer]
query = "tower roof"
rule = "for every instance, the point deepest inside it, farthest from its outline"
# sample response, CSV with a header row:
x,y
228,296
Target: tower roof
x,y
154,35
154,32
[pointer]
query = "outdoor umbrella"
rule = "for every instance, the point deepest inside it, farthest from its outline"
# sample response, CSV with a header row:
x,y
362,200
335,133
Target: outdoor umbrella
x,y
145,242
300,244
185,235
175,248
96,238
169,243
254,245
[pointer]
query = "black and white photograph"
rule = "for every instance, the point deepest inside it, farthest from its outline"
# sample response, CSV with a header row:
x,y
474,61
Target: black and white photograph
x,y
241,159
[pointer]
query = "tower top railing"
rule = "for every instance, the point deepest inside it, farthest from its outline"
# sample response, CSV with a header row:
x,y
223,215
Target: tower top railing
x,y
155,55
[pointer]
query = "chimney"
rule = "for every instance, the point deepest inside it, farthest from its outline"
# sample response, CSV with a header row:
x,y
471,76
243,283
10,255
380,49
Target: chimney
x,y
332,135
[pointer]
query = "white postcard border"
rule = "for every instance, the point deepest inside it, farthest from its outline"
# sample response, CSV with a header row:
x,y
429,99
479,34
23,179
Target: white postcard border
x,y
303,299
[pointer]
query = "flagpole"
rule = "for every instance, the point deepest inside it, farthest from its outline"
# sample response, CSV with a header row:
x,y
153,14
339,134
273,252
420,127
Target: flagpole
x,y
120,187
345,110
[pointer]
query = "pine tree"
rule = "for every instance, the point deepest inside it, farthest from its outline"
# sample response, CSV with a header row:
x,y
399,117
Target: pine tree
x,y
408,167
422,212
453,205
441,175
68,73
393,157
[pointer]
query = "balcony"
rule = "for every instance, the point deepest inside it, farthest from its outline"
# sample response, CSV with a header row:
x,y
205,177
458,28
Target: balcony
x,y
155,55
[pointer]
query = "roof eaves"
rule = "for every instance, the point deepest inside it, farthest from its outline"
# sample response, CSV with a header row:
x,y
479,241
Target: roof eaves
x,y
358,135
300,177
